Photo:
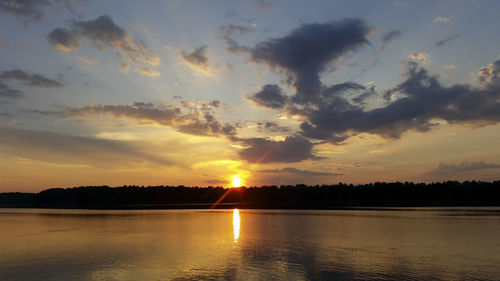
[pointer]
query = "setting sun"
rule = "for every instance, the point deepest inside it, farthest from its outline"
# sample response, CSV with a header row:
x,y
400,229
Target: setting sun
x,y
237,181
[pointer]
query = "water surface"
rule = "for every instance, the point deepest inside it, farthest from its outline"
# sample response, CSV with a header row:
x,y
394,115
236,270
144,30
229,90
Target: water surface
x,y
369,244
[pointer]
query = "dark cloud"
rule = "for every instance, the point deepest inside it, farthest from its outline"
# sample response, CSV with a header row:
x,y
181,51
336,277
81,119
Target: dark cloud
x,y
215,103
423,100
102,32
299,172
304,53
32,80
25,9
272,127
341,89
8,93
271,96
389,36
65,39
443,168
365,95
197,58
446,40
33,10
56,148
292,149
490,74
186,120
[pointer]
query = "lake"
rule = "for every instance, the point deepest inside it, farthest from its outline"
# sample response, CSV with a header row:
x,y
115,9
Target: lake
x,y
367,244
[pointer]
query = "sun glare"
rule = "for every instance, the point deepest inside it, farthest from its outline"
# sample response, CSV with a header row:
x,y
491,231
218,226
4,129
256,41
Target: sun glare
x,y
237,182
236,224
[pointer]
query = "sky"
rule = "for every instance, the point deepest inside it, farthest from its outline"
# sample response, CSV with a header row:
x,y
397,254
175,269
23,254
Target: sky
x,y
205,93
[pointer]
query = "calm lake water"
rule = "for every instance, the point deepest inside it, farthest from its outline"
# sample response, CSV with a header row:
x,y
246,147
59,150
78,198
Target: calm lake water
x,y
376,244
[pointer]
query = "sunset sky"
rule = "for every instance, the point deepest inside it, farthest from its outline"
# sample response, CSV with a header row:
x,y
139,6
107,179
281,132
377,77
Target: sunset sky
x,y
197,93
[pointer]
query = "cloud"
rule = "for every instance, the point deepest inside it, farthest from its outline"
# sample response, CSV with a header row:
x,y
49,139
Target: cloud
x,y
64,39
187,120
33,10
262,4
443,168
271,96
490,73
422,58
32,80
272,127
57,148
8,93
389,36
198,59
299,172
228,31
441,19
422,101
102,32
292,149
306,51
148,71
446,40
24,9
87,60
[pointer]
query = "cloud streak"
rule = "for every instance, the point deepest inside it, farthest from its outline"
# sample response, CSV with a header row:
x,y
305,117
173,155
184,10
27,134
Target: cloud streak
x,y
446,169
299,172
31,80
186,120
58,148
390,36
446,40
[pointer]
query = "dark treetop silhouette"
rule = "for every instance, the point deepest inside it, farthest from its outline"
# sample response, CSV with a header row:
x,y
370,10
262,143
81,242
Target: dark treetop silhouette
x,y
450,193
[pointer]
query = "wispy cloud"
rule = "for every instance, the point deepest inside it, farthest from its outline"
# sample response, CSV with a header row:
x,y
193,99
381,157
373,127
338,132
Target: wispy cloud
x,y
446,169
58,148
441,19
198,60
300,172
446,40
28,79
187,119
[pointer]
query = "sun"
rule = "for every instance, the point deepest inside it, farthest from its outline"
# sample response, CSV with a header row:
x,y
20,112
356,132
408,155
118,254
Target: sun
x,y
237,182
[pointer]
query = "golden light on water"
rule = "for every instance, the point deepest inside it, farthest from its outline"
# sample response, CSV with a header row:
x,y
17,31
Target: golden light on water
x,y
237,181
236,224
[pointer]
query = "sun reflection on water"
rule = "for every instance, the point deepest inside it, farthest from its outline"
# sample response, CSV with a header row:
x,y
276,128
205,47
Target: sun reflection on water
x,y
236,224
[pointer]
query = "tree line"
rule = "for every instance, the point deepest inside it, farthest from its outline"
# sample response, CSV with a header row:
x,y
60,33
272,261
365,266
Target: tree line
x,y
449,193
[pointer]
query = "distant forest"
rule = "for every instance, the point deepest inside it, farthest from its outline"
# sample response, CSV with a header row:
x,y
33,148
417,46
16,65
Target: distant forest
x,y
450,193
